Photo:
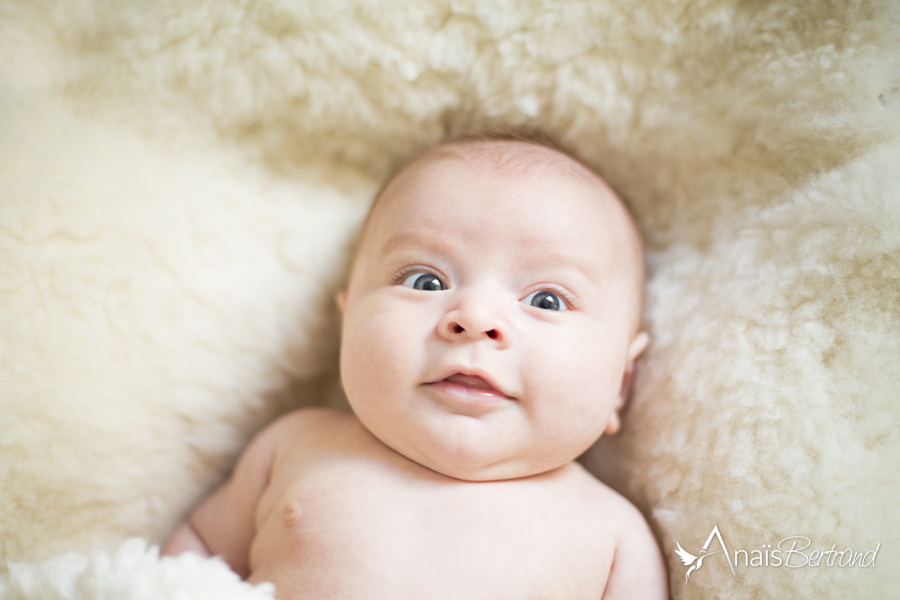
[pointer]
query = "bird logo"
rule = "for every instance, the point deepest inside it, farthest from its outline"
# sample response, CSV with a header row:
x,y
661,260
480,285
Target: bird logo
x,y
687,558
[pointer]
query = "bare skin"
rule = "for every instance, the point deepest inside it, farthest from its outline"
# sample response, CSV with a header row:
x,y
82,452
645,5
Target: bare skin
x,y
491,323
321,508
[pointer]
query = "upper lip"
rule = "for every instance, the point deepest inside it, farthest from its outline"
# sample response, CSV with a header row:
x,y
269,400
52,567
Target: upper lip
x,y
491,385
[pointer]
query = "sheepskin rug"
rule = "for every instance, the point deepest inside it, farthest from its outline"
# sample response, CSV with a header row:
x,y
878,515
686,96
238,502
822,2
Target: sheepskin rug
x,y
181,182
132,572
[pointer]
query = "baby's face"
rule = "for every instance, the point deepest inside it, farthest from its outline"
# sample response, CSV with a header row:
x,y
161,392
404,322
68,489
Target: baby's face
x,y
492,311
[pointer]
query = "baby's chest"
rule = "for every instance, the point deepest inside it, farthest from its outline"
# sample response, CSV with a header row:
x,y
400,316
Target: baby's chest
x,y
376,537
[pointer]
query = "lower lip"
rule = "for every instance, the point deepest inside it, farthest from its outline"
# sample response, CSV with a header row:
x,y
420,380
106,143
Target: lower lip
x,y
469,395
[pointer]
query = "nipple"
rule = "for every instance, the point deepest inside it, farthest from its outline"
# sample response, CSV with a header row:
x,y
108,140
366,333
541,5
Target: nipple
x,y
290,516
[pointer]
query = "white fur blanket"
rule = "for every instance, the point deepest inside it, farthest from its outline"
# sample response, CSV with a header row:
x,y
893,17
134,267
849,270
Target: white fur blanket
x,y
180,183
132,572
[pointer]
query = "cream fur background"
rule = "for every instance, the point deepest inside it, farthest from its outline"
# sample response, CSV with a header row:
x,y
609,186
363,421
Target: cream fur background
x,y
180,183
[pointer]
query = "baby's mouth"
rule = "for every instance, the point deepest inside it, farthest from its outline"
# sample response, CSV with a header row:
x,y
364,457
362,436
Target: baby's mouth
x,y
472,381
470,384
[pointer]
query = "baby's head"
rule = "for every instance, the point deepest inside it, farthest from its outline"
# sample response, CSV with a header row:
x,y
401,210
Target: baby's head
x,y
492,316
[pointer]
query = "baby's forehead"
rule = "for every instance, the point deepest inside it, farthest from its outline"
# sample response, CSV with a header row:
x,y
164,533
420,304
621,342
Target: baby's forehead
x,y
514,159
510,157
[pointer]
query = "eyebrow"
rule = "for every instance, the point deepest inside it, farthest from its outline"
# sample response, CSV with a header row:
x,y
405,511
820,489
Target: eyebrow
x,y
556,260
432,240
429,238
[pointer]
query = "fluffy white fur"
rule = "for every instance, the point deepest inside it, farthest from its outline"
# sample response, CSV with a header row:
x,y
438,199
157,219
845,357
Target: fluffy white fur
x,y
132,572
180,183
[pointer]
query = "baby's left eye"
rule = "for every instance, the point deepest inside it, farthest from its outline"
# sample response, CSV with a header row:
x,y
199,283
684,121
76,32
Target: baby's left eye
x,y
424,281
545,300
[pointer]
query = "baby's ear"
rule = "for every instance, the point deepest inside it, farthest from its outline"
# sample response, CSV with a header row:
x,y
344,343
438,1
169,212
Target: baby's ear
x,y
638,345
341,300
635,349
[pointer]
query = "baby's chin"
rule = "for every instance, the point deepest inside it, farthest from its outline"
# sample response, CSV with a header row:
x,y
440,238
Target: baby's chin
x,y
476,464
476,449
495,472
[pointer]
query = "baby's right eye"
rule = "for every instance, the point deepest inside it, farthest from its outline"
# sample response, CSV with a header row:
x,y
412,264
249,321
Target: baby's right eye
x,y
424,281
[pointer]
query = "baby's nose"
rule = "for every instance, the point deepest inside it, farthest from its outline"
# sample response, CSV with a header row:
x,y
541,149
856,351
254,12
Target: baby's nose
x,y
456,328
475,321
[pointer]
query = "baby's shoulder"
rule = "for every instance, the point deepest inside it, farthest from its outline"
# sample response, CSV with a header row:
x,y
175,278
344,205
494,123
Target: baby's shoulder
x,y
309,424
298,432
638,569
315,417
595,497
602,509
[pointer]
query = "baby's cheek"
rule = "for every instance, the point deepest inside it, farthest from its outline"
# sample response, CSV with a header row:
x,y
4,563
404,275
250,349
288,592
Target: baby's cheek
x,y
588,389
384,351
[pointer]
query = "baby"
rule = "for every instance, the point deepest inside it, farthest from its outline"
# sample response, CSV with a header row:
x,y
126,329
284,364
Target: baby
x,y
491,322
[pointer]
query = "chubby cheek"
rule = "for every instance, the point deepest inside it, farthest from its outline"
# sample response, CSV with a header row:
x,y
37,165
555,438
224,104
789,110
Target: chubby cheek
x,y
580,388
377,355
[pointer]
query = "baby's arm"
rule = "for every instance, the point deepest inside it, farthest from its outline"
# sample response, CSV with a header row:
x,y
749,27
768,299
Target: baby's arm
x,y
225,523
638,570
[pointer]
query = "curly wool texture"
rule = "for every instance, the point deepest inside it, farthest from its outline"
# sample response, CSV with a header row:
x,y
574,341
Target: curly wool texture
x,y
180,184
133,571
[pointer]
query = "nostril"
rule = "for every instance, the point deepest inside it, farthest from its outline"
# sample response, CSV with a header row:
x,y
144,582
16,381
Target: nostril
x,y
456,328
493,334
